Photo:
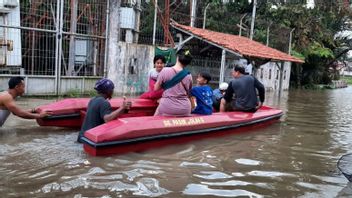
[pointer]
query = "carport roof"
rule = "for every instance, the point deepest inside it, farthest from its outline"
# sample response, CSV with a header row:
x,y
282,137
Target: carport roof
x,y
237,44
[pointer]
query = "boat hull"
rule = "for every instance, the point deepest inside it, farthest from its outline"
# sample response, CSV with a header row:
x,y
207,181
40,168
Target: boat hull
x,y
125,135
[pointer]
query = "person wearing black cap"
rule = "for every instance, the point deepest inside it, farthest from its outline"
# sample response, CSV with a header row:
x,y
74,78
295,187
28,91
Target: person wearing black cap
x,y
99,110
243,87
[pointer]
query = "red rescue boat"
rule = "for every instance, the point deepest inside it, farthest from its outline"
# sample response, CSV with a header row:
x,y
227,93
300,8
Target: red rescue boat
x,y
138,130
141,133
70,112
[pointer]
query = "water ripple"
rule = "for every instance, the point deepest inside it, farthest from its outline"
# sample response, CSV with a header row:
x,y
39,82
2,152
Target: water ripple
x,y
198,189
212,175
248,162
295,157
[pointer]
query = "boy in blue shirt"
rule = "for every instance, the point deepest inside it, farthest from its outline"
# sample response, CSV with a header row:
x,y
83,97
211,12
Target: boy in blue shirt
x,y
203,94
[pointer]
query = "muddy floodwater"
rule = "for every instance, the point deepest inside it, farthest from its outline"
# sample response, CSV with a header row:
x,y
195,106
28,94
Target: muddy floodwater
x,y
295,157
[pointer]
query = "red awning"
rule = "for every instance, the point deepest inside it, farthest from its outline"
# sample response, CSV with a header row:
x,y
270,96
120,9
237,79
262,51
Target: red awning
x,y
237,44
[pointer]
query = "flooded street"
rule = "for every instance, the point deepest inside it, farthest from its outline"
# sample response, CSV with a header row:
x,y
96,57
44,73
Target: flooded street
x,y
295,157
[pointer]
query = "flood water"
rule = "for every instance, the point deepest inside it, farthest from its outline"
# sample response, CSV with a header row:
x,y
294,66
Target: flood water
x,y
295,157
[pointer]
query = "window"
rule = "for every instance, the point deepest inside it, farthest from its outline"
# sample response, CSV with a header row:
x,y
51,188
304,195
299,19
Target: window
x,y
269,74
277,74
261,73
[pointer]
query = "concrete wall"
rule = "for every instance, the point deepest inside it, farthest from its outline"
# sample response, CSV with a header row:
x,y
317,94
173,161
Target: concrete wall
x,y
45,85
129,71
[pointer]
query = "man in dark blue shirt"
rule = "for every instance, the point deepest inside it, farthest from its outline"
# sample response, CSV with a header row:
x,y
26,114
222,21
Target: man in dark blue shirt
x,y
99,110
243,88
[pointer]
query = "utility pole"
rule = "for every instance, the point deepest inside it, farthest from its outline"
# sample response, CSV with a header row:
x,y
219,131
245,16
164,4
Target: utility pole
x,y
155,19
205,15
253,19
193,12
106,38
268,33
290,42
240,34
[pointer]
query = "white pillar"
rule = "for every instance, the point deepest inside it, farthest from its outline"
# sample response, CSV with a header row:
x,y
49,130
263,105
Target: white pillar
x,y
222,68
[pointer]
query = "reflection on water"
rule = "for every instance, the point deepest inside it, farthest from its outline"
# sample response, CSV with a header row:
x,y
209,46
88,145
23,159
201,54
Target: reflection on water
x,y
292,158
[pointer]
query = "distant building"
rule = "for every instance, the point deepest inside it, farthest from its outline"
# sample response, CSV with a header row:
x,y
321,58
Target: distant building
x,y
346,71
10,39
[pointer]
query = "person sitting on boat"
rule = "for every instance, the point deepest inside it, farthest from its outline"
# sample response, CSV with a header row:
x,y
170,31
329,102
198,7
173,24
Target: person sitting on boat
x,y
99,110
177,83
244,88
203,95
218,94
159,63
8,105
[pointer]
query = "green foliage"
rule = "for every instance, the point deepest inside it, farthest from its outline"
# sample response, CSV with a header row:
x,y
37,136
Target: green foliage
x,y
314,37
319,51
348,79
297,55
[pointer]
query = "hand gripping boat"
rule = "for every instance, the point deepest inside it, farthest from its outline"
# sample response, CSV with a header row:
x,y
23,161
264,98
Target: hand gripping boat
x,y
138,130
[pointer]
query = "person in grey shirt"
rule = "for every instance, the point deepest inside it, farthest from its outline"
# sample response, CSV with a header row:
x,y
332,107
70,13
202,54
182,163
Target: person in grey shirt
x,y
241,94
99,110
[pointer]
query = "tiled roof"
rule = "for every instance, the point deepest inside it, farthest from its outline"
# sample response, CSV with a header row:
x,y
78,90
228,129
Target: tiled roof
x,y
237,44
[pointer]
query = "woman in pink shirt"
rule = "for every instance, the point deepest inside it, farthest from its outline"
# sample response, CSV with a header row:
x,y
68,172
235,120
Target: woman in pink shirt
x,y
175,100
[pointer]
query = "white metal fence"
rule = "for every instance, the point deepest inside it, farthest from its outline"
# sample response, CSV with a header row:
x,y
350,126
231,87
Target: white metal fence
x,y
45,84
53,38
